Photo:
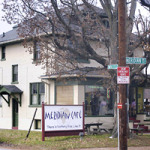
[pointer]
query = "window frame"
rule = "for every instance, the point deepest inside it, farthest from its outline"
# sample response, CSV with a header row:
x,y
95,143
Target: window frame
x,y
37,50
83,60
3,52
106,94
106,23
79,59
38,95
37,123
14,74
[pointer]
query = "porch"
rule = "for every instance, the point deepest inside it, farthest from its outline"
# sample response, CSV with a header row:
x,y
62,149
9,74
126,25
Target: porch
x,y
141,122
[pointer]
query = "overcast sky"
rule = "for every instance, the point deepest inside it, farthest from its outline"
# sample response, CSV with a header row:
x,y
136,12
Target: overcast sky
x,y
4,26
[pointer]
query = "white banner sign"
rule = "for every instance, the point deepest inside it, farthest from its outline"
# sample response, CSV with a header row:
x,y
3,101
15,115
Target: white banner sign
x,y
60,118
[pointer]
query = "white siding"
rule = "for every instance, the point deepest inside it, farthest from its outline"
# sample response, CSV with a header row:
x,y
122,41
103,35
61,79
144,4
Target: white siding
x,y
28,73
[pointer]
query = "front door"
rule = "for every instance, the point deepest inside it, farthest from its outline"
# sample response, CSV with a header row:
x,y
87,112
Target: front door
x,y
15,114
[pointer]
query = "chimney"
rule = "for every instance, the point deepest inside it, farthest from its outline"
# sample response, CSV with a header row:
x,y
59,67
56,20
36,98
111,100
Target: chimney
x,y
3,34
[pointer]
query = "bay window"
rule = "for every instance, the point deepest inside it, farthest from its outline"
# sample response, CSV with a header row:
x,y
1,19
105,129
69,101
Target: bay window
x,y
98,101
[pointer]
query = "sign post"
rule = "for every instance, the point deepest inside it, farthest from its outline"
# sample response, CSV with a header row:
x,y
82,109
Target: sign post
x,y
118,121
43,123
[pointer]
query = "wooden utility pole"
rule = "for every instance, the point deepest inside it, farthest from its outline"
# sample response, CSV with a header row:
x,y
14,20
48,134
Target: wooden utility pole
x,y
122,63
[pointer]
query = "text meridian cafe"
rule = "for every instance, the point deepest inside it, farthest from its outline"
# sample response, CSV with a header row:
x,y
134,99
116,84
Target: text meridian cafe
x,y
63,115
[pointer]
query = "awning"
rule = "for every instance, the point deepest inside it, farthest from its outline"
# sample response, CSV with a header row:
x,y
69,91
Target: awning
x,y
11,91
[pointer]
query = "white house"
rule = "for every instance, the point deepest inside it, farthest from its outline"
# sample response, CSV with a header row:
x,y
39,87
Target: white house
x,y
24,85
20,82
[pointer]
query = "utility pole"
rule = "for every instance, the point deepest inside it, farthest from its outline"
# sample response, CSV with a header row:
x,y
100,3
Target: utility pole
x,y
122,63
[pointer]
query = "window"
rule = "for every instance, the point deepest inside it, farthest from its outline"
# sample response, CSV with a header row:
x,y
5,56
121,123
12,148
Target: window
x,y
64,95
3,55
82,60
146,100
36,51
98,101
15,73
41,92
37,124
106,23
37,93
79,59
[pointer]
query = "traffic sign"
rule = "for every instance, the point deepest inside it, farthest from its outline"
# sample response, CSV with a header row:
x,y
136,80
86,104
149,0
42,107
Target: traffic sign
x,y
135,60
119,105
113,66
123,75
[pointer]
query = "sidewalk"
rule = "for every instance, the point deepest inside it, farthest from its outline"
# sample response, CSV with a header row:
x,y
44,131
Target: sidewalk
x,y
109,148
129,148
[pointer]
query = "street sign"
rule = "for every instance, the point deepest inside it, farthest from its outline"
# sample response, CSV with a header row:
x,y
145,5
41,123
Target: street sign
x,y
135,60
123,75
119,105
113,66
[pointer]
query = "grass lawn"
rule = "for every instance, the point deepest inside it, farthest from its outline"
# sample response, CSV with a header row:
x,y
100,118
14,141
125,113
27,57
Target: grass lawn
x,y
16,139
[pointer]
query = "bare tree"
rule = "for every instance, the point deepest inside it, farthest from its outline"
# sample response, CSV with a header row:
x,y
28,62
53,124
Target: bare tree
x,y
70,27
65,30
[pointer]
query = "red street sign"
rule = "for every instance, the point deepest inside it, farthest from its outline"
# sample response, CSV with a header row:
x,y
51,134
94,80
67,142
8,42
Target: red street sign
x,y
119,105
123,75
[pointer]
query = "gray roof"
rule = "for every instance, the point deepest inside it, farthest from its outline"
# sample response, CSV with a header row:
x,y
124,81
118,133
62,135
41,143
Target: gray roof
x,y
12,36
9,36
